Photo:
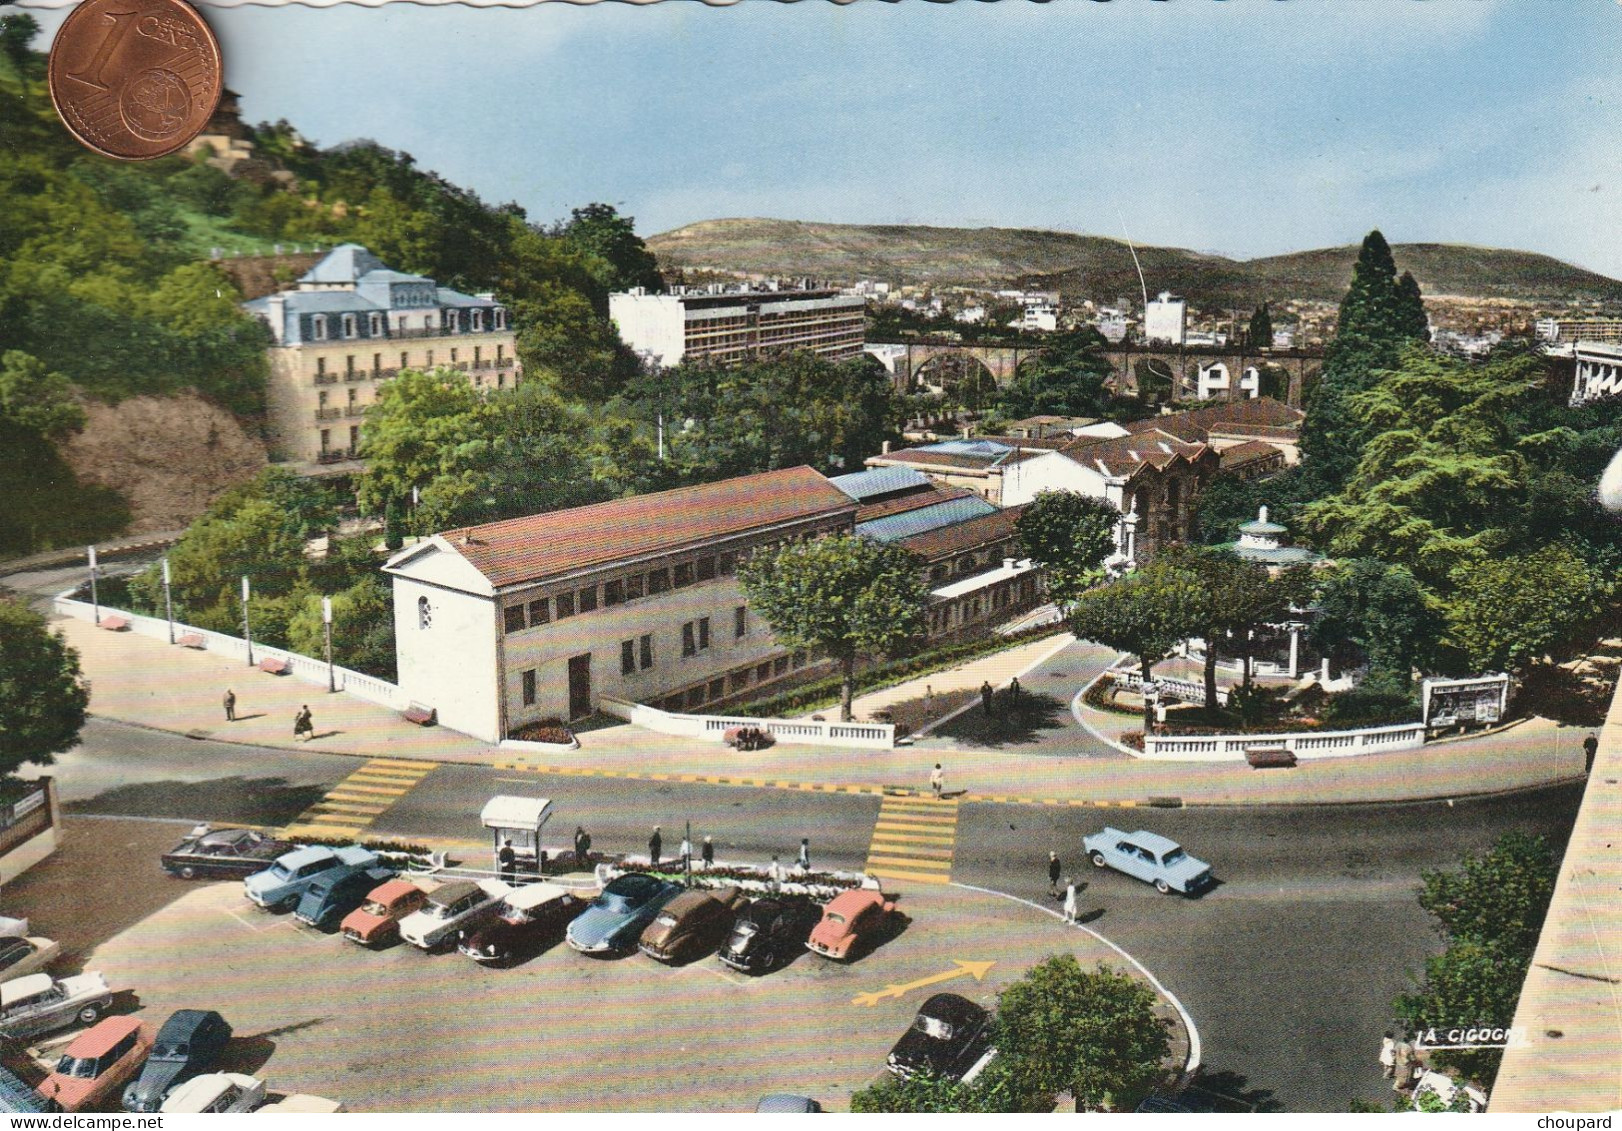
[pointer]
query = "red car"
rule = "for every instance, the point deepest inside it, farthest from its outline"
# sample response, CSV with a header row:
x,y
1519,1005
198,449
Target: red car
x,y
849,917
377,921
98,1062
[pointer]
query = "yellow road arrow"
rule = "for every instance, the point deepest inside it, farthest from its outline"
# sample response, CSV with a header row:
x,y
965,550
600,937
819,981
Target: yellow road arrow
x,y
977,969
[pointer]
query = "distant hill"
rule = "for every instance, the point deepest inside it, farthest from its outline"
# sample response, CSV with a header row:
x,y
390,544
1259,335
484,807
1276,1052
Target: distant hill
x,y
1099,268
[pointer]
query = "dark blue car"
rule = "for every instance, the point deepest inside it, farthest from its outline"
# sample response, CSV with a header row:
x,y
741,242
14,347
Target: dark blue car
x,y
188,1045
616,918
326,902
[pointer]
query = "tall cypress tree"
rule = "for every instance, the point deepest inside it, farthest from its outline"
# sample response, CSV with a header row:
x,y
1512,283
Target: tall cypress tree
x,y
1380,316
1260,332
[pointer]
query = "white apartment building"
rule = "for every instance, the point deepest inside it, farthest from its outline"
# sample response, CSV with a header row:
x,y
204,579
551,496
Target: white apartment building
x,y
518,621
730,326
1599,372
1165,319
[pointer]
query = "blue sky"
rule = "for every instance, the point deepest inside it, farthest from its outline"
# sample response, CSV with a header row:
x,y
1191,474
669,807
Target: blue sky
x,y
1246,127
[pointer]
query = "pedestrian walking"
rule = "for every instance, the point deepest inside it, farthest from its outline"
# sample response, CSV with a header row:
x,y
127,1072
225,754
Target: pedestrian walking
x,y
1402,1066
937,779
655,844
304,723
1069,900
1388,1056
1013,691
774,874
507,861
1590,748
1054,871
929,701
231,707
985,697
582,847
686,853
706,854
804,861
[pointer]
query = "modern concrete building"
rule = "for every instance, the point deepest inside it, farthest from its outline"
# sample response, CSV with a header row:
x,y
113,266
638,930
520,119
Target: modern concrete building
x,y
353,323
1165,319
1599,371
729,326
513,622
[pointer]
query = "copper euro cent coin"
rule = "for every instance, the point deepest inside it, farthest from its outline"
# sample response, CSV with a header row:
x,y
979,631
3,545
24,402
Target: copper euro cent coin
x,y
135,79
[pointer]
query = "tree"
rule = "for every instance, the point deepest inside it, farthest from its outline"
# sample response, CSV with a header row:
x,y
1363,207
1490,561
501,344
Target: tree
x,y
1229,597
1070,535
991,1092
362,628
1382,611
425,429
1379,316
42,697
1145,613
1092,1033
841,595
1499,898
36,399
1260,331
1507,612
1068,378
565,341
1470,984
599,230
17,34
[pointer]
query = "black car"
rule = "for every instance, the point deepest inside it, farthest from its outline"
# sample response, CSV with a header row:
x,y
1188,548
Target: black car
x,y
949,1035
188,1045
767,931
222,853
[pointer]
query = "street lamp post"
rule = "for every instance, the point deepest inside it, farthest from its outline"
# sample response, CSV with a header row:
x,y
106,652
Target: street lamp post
x,y
326,627
247,631
95,602
168,603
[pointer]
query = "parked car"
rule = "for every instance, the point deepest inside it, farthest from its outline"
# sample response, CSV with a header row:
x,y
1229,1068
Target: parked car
x,y
616,918
218,1092
16,1097
693,923
326,902
1150,857
765,932
222,853
26,956
279,887
456,906
97,1062
946,1039
781,1103
850,918
376,922
187,1045
300,1104
13,928
39,1003
526,916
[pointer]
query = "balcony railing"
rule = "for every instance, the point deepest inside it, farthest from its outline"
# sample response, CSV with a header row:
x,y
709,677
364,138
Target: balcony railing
x,y
356,410
484,363
326,378
385,374
504,363
328,413
358,375
335,455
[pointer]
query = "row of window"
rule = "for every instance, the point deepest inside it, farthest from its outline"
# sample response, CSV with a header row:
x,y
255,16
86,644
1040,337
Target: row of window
x,y
405,360
449,319
729,684
619,591
952,614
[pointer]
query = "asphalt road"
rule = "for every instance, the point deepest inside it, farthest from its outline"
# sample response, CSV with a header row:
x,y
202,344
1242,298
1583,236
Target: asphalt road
x,y
1288,967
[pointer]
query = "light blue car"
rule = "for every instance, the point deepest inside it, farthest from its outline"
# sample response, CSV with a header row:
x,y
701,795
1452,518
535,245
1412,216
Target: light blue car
x,y
1150,857
279,887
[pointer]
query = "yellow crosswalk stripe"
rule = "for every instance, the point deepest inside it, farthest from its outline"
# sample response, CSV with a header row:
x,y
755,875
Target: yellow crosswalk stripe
x,y
912,862
415,767
903,848
923,836
889,873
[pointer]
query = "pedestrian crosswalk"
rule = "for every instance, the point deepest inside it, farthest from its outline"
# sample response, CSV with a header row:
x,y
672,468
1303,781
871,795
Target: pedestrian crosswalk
x,y
913,839
354,803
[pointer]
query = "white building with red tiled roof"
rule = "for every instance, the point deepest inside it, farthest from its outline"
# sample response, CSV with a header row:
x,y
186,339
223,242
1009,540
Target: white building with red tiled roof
x,y
509,623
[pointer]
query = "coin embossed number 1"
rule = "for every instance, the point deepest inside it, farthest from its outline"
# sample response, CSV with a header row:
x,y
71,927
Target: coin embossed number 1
x,y
135,79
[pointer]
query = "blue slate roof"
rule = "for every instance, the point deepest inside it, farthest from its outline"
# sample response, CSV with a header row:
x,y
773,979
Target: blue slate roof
x,y
343,264
989,448
448,297
895,527
864,485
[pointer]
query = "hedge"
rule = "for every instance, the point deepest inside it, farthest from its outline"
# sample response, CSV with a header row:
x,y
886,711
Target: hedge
x,y
825,692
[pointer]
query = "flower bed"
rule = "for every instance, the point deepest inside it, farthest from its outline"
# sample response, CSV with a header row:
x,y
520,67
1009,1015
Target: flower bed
x,y
820,886
552,732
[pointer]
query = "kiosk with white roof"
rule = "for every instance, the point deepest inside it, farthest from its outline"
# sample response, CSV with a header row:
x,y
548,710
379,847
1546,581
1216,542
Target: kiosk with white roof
x,y
520,820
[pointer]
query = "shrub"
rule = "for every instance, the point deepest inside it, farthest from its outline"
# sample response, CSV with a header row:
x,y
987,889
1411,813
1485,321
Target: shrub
x,y
553,730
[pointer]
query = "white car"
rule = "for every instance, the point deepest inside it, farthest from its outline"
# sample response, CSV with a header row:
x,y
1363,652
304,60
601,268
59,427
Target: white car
x,y
217,1092
38,1003
29,955
13,928
458,905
